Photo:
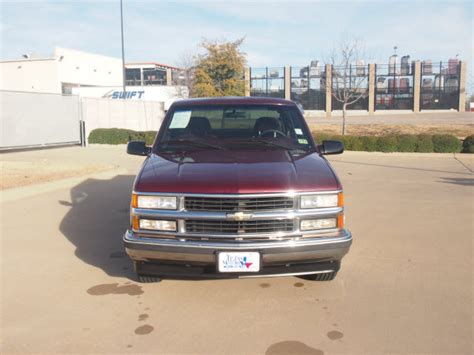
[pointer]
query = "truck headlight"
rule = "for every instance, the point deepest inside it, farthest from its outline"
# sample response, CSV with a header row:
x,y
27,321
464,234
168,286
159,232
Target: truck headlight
x,y
321,201
158,225
315,224
154,202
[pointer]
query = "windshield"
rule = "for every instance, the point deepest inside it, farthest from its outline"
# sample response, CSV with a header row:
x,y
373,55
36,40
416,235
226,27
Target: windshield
x,y
227,127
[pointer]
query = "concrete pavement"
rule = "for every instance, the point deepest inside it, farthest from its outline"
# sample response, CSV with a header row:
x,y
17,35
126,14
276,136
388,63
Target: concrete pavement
x,y
406,286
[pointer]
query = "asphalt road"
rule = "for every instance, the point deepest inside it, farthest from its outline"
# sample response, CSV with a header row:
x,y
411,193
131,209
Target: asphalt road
x,y
406,286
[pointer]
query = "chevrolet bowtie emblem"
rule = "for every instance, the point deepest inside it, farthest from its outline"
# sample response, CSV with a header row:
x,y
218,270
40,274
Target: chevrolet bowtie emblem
x,y
239,216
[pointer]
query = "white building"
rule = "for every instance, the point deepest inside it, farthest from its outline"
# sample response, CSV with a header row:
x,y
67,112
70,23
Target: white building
x,y
67,68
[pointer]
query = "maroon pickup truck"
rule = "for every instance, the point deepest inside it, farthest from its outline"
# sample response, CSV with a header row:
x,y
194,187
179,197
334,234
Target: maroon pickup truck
x,y
236,187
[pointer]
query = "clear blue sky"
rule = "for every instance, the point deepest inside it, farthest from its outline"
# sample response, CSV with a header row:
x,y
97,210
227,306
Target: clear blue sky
x,y
277,32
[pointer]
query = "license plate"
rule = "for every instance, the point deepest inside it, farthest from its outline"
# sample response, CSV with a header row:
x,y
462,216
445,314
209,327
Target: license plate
x,y
238,262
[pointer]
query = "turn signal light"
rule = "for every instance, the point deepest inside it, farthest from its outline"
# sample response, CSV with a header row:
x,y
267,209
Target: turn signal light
x,y
340,221
135,223
134,200
340,200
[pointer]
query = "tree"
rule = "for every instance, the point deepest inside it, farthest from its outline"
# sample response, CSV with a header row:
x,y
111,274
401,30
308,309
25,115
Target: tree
x,y
349,77
219,71
184,78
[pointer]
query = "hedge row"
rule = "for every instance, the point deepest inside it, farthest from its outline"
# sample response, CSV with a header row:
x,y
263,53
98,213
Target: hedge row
x,y
120,136
424,143
439,143
468,144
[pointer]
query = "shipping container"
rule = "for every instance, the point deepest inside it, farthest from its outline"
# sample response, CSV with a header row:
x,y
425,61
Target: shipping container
x,y
404,85
392,85
453,66
427,83
427,67
405,65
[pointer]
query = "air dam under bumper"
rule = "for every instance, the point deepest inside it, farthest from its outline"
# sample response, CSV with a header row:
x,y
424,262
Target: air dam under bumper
x,y
294,257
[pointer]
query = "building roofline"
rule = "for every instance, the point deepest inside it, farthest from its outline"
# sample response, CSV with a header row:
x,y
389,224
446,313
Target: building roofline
x,y
153,63
26,60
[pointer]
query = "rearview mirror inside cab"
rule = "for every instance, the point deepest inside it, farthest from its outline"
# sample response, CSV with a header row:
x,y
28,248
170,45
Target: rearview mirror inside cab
x,y
331,147
138,148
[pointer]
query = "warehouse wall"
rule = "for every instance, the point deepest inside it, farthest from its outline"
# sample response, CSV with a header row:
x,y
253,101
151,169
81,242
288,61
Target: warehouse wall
x,y
108,113
30,75
83,68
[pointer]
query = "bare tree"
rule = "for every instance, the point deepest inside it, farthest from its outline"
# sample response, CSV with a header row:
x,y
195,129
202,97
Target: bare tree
x,y
349,75
184,78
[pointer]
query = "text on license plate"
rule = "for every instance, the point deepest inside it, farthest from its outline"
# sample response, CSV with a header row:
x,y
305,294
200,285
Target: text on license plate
x,y
238,261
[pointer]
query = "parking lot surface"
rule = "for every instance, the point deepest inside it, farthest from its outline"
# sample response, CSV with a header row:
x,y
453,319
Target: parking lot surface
x,y
406,286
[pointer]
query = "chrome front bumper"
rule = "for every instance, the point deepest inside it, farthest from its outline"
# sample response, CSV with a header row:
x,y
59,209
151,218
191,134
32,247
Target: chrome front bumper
x,y
317,249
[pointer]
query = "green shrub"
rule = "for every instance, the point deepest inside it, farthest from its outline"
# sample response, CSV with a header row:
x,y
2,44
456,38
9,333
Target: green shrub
x,y
357,143
468,144
320,137
109,136
150,137
424,143
446,143
406,143
119,136
369,143
387,144
346,140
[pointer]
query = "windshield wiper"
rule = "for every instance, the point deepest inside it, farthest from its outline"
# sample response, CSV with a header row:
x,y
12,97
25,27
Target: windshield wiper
x,y
192,143
268,143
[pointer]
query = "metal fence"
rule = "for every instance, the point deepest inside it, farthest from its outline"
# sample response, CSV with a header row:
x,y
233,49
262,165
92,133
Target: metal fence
x,y
37,119
308,87
269,82
354,80
440,85
394,86
41,119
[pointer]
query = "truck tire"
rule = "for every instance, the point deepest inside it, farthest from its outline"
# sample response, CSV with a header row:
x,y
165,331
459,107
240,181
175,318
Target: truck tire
x,y
148,278
328,276
144,278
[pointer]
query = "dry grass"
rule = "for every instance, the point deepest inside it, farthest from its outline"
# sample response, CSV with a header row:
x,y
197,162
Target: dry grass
x,y
22,173
459,130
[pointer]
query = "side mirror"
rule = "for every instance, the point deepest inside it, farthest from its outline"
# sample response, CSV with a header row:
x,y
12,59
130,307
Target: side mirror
x,y
331,147
138,148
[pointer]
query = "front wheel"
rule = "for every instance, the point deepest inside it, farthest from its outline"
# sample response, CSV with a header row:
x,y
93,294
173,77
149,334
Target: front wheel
x,y
328,276
148,278
144,278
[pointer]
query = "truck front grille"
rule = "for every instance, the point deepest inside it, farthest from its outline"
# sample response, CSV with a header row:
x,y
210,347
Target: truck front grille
x,y
238,204
239,227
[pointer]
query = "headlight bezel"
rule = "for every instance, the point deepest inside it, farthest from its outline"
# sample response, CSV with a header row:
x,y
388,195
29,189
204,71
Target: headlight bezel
x,y
142,221
155,202
321,200
333,225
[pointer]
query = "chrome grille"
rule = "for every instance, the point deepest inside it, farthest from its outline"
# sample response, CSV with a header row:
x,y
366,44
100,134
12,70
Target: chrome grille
x,y
238,204
239,227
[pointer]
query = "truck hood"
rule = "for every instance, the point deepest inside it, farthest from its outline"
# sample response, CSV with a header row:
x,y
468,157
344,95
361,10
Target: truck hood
x,y
236,172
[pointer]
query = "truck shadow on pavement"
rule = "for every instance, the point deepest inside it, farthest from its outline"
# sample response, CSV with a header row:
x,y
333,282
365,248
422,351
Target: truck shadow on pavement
x,y
96,222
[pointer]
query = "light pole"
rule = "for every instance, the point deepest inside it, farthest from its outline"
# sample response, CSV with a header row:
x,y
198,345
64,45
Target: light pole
x,y
123,50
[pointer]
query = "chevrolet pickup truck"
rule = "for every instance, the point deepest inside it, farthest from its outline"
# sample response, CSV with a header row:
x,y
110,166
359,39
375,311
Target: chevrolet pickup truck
x,y
236,187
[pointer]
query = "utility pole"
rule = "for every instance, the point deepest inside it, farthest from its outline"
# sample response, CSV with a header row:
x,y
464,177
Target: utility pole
x,y
123,50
